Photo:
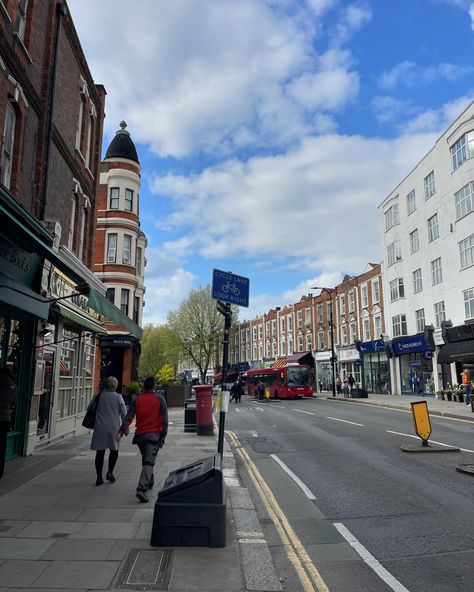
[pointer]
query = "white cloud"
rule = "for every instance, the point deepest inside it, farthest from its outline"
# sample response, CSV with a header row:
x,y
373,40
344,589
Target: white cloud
x,y
165,293
215,76
313,207
471,14
436,120
390,110
408,74
353,18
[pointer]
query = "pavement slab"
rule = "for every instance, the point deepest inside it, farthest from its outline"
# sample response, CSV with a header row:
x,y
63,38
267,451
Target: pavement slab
x,y
44,530
17,573
80,550
28,549
107,530
73,574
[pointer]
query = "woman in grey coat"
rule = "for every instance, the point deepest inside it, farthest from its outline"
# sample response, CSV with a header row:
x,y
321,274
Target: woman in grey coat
x,y
110,413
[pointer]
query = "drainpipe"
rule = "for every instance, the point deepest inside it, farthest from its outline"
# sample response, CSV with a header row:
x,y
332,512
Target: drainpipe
x,y
61,10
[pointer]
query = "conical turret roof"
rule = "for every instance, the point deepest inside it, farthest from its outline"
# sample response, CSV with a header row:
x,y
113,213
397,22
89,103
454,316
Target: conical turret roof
x,y
122,145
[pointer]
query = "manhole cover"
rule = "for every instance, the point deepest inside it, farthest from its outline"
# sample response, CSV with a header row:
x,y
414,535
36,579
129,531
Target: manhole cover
x,y
146,569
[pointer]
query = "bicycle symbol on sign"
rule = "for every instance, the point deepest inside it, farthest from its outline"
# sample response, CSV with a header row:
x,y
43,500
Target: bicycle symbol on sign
x,y
230,288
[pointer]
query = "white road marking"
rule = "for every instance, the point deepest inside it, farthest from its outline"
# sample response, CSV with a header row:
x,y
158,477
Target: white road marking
x,y
345,421
296,479
433,441
254,434
300,411
275,405
383,574
259,408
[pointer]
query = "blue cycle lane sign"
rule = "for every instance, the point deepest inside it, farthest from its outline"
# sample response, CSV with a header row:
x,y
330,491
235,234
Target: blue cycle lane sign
x,y
231,288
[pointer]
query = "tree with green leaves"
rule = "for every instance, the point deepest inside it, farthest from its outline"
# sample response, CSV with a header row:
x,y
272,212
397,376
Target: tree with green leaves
x,y
160,346
199,328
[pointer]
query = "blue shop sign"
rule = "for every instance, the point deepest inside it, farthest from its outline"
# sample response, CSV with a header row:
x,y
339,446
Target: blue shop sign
x,y
369,347
410,345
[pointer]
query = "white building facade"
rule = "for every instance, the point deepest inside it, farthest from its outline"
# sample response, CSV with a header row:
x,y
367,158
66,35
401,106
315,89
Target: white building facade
x,y
426,226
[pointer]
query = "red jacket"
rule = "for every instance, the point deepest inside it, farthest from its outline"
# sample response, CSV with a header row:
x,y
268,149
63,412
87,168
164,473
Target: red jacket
x,y
151,414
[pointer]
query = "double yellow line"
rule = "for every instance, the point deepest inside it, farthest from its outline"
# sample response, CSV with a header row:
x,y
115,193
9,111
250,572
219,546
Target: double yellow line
x,y
309,576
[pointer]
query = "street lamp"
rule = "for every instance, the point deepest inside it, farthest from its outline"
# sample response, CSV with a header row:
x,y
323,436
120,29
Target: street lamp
x,y
333,357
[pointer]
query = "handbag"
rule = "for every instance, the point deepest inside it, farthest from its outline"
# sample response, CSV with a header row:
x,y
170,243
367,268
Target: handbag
x,y
89,418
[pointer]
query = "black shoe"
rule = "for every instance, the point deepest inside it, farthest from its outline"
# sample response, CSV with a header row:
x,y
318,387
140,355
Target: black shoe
x,y
141,495
99,481
110,477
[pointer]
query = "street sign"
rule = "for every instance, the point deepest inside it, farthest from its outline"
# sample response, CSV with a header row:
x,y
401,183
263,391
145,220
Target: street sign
x,y
421,418
231,288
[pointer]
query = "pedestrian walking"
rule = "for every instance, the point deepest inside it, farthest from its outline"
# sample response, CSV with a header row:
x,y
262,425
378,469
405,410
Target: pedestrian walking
x,y
236,391
338,384
8,398
260,391
151,413
110,413
320,386
466,382
351,381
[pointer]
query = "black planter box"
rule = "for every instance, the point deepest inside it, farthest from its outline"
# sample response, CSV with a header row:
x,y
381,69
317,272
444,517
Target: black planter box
x,y
358,393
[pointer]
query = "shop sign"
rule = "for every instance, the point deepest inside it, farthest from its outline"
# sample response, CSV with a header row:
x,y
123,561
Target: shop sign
x,y
61,286
322,356
17,263
409,345
370,347
460,333
348,355
438,337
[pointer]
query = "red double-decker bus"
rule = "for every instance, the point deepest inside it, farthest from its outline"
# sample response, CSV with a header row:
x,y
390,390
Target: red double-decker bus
x,y
287,382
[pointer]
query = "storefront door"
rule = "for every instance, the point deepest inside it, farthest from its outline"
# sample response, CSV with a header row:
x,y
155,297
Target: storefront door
x,y
44,407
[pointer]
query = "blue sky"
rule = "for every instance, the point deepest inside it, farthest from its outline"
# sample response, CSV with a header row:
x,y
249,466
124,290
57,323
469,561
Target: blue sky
x,y
270,130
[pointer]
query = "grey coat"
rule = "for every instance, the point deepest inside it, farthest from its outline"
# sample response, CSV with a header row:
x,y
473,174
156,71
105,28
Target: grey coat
x,y
110,413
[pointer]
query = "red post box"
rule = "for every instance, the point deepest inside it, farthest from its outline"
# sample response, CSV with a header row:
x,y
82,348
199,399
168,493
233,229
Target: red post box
x,y
204,424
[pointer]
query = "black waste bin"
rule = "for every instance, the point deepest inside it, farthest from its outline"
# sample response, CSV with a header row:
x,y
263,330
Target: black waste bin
x,y
190,415
190,509
359,393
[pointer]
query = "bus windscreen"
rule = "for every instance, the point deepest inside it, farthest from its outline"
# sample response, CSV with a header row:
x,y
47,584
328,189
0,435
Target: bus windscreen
x,y
298,376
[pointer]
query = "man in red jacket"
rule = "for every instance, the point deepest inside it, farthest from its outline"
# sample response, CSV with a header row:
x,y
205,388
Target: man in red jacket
x,y
151,414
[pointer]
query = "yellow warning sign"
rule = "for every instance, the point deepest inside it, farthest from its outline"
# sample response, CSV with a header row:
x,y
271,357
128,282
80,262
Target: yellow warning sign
x,y
421,418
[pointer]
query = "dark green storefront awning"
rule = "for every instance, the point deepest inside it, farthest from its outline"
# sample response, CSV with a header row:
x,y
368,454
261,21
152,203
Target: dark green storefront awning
x,y
20,299
79,319
100,304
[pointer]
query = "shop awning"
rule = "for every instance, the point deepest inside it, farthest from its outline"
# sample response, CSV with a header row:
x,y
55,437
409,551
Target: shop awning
x,y
103,306
16,296
301,358
463,351
82,320
279,363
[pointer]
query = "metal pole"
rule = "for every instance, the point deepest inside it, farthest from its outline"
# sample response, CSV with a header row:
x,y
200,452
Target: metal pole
x,y
333,361
225,358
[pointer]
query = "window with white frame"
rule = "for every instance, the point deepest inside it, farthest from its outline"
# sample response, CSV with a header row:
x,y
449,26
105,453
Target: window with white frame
x,y
72,221
22,18
420,320
309,342
394,253
433,228
414,241
375,291
83,224
460,150
320,313
267,349
110,294
273,326
351,301
321,340
127,249
307,316
254,352
260,330
289,323
440,313
139,260
299,319
417,281
81,132
353,329
411,202
300,343
111,248
469,303
464,200
124,300
129,200
114,198
8,145
254,333
392,217
365,296
342,301
397,289
430,188
267,328
274,349
466,251
377,326
366,329
282,348
436,272
399,325
282,324
344,334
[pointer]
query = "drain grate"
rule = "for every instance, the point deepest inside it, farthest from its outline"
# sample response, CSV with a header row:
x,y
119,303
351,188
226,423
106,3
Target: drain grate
x,y
146,569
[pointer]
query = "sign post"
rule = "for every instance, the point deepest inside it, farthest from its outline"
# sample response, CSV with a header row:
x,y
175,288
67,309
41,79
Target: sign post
x,y
421,418
227,289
